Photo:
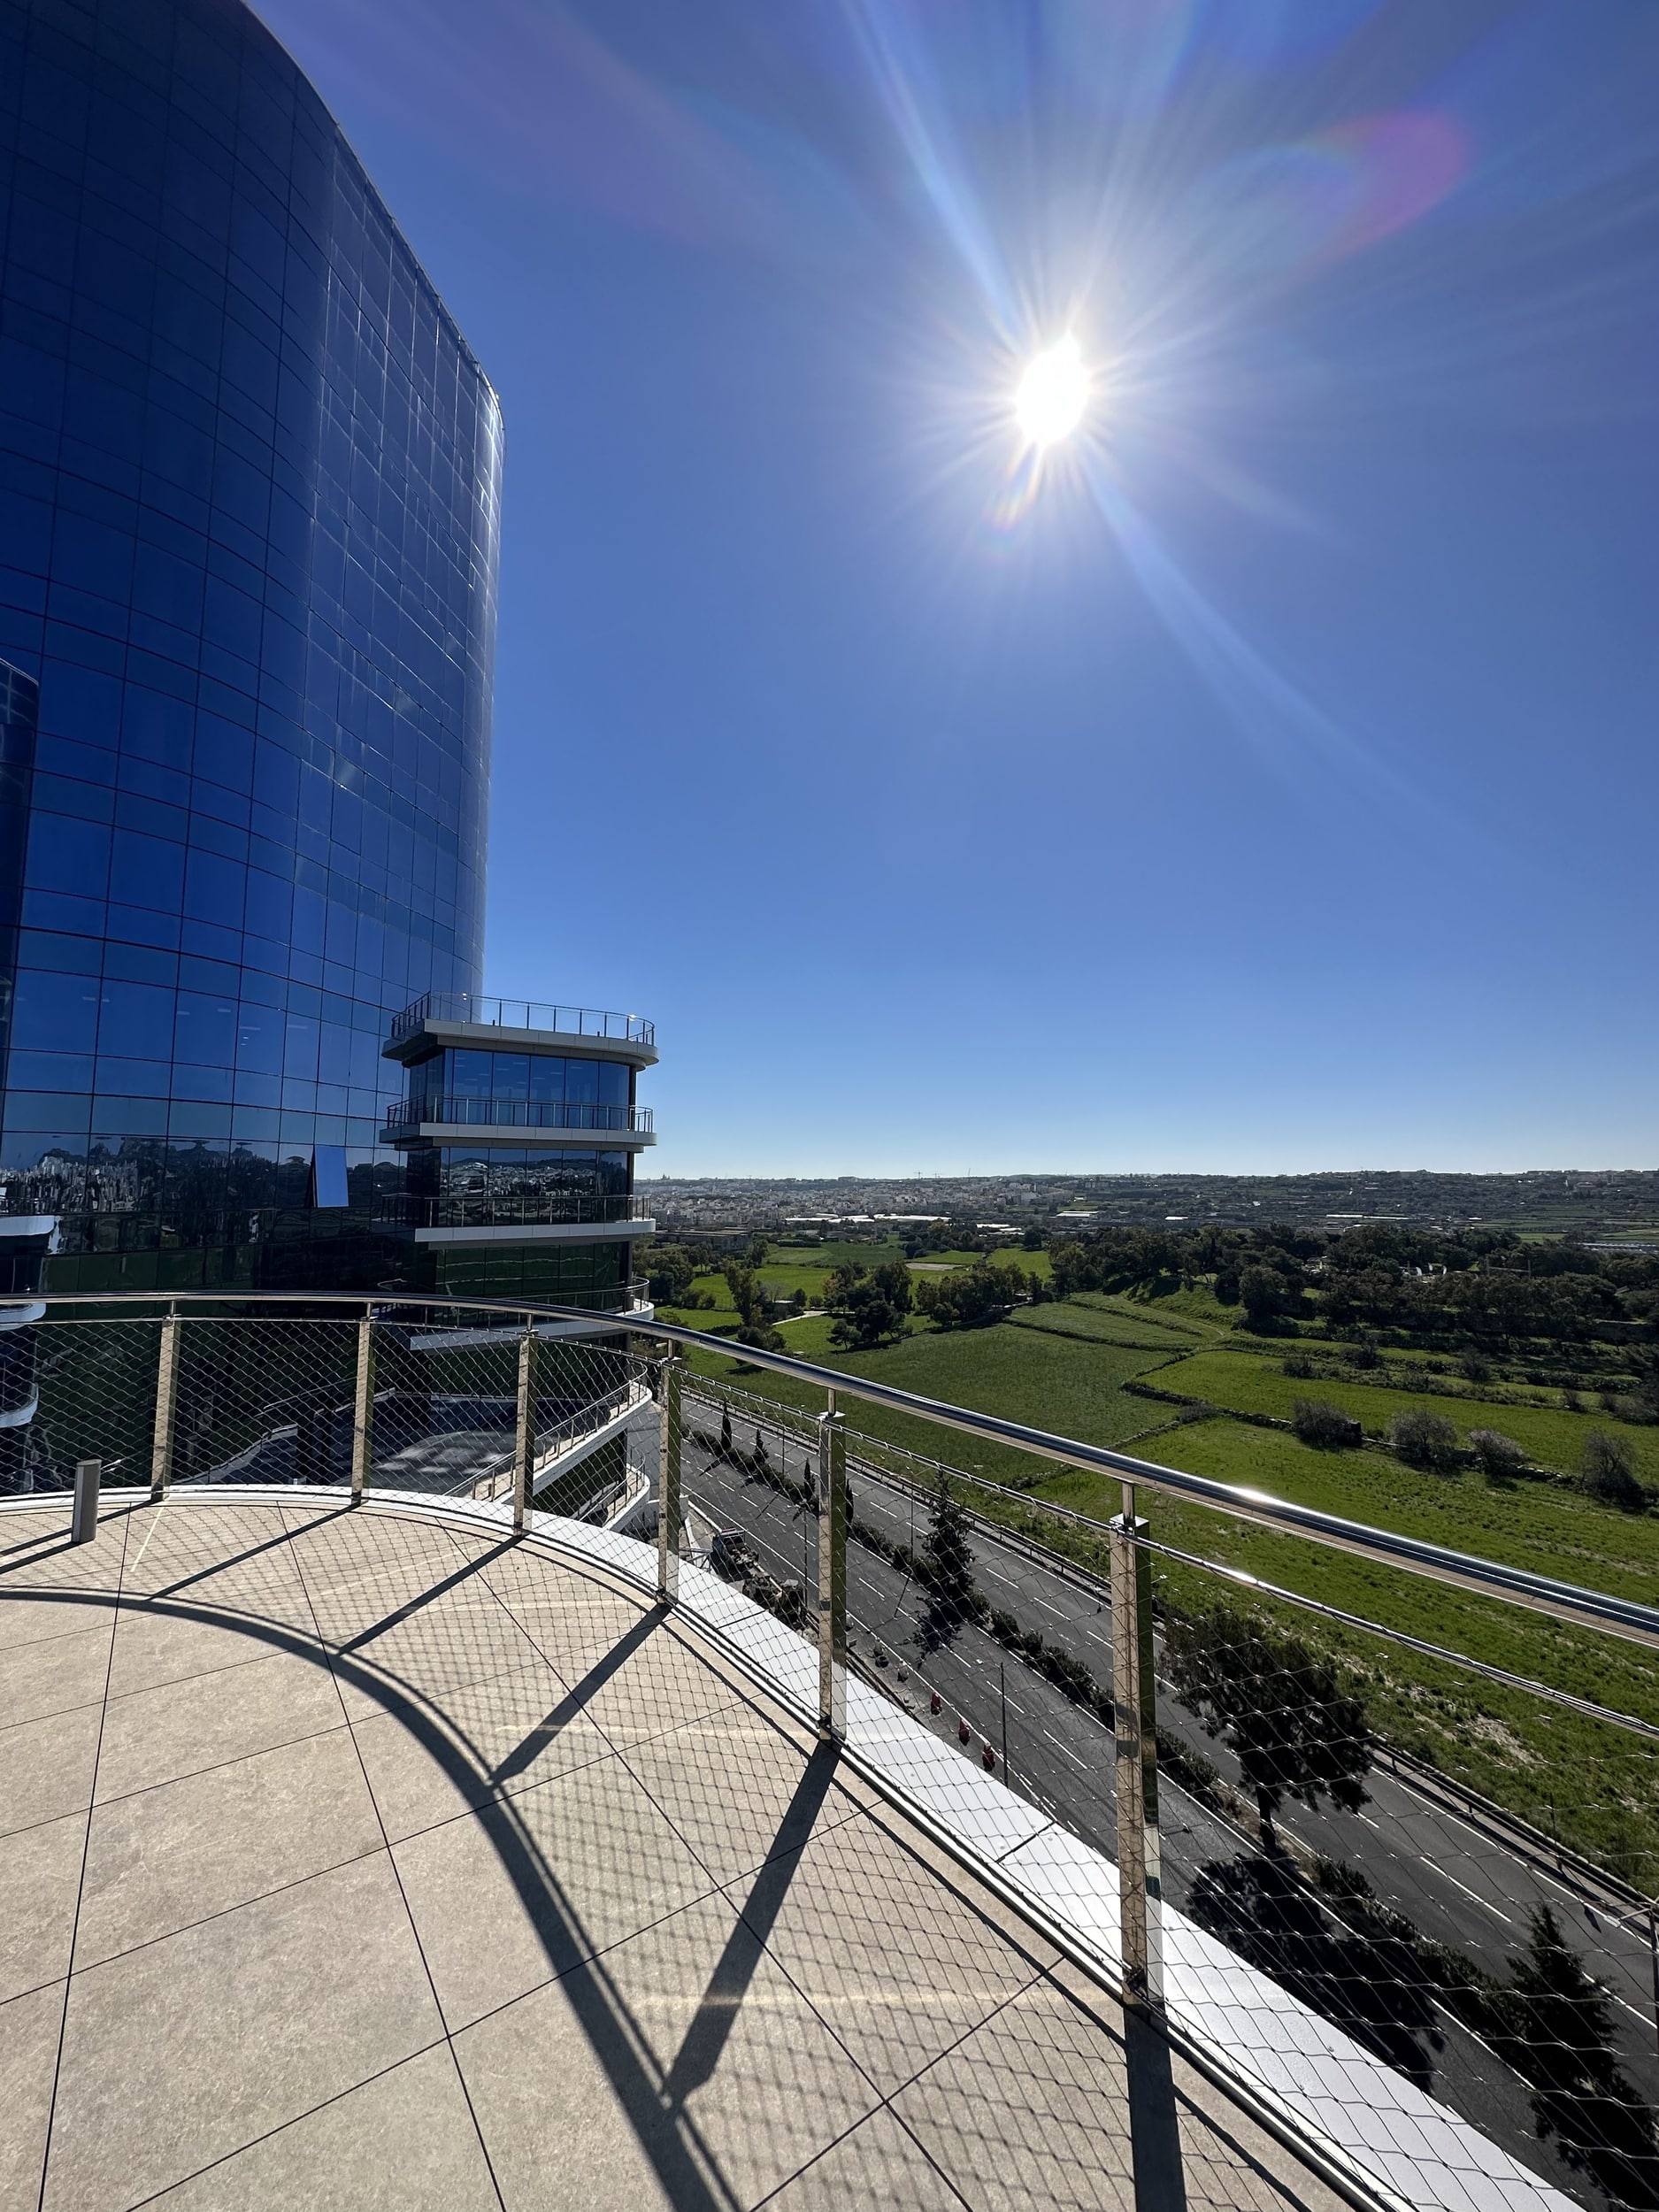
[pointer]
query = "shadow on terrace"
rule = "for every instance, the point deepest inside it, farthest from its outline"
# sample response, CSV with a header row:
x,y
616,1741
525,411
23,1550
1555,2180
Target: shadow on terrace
x,y
374,1857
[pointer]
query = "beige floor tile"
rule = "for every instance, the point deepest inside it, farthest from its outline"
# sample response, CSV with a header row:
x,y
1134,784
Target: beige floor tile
x,y
230,2028
684,2051
738,1789
46,1767
465,1636
898,1964
658,1685
154,1647
878,2168
40,1877
26,1619
29,2029
523,1890
53,1677
490,1738
406,2142
54,1563
158,1735
1030,2113
163,1858
570,1619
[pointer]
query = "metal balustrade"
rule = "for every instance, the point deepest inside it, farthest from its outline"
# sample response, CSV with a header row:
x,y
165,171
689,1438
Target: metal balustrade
x,y
1393,1891
504,1013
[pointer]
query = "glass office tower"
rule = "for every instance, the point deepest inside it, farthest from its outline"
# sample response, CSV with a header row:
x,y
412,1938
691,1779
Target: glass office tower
x,y
250,486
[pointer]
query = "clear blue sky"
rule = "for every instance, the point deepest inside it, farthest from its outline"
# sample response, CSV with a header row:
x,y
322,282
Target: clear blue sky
x,y
1272,782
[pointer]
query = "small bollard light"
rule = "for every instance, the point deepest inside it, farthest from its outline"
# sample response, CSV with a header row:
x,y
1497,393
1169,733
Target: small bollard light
x,y
936,1704
965,1734
987,1758
83,1525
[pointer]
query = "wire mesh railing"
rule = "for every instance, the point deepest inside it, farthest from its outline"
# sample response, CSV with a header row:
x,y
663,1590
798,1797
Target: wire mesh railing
x,y
1423,1808
1409,1794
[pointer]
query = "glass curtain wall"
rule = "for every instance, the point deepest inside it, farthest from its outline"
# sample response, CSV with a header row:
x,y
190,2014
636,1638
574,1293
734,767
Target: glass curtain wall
x,y
249,484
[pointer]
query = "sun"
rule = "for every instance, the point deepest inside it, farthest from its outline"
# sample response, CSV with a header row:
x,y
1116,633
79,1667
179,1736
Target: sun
x,y
1053,393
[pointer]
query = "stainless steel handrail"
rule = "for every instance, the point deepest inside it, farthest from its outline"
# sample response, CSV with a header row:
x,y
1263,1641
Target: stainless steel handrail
x,y
522,1113
492,1013
1538,1593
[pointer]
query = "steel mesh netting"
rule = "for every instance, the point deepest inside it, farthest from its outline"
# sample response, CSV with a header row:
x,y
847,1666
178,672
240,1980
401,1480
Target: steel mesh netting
x,y
92,1380
270,1396
997,1650
1429,1814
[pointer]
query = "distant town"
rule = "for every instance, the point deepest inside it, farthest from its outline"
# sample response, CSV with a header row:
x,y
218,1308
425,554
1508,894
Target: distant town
x,y
1616,1202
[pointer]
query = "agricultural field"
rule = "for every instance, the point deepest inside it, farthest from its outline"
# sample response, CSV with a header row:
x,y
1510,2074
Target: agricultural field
x,y
1241,1382
1063,1368
1070,1385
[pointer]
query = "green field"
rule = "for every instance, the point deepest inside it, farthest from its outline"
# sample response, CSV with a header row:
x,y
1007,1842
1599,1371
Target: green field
x,y
1063,1368
1244,1383
1067,1385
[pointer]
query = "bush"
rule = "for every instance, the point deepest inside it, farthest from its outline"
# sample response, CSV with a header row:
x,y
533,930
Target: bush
x,y
1498,1454
1365,1354
1609,1473
1297,1363
1474,1368
1424,1439
1326,1427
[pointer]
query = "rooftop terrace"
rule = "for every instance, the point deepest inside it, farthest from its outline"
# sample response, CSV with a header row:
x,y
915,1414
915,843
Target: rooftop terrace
x,y
364,1857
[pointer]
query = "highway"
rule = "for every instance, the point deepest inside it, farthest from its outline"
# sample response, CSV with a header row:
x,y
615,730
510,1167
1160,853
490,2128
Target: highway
x,y
1453,1881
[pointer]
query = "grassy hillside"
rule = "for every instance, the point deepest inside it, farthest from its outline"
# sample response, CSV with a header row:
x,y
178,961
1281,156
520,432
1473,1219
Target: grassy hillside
x,y
1246,1383
1065,1384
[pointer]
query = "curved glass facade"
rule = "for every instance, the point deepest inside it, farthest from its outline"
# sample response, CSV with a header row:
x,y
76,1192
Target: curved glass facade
x,y
249,488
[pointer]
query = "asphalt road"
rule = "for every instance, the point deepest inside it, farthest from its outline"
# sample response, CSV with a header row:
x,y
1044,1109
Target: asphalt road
x,y
1452,1882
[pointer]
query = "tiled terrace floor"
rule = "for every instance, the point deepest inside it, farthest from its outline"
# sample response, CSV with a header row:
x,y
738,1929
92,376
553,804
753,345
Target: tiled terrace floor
x,y
360,1859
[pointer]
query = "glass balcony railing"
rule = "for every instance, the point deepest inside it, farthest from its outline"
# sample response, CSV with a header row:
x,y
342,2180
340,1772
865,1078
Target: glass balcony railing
x,y
507,1209
517,1013
520,1113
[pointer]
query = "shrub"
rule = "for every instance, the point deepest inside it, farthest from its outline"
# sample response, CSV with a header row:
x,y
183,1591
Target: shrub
x,y
1474,1368
1326,1427
1297,1363
1609,1473
1365,1354
1498,1454
1424,1439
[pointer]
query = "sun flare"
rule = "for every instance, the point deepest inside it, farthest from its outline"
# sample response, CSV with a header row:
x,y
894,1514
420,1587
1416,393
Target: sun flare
x,y
1053,393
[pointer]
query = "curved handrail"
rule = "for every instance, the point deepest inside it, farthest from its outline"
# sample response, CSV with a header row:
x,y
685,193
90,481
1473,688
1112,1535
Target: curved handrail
x,y
1538,1593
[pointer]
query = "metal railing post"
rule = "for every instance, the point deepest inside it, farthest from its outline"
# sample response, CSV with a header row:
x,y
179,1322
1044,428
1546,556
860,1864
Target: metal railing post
x,y
832,1577
362,1410
524,1440
83,1525
167,1409
668,1483
1135,1716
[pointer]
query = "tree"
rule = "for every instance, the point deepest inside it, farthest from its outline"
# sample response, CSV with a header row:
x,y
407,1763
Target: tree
x,y
748,1295
869,1305
947,1558
1280,1705
1326,1427
972,1297
1500,1456
1265,1295
1424,1439
1553,2025
670,1268
1608,1472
